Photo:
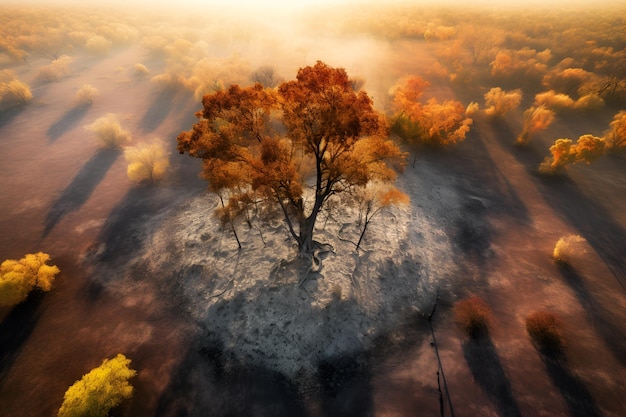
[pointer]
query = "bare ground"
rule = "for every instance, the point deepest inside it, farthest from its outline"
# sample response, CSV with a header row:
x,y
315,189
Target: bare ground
x,y
216,330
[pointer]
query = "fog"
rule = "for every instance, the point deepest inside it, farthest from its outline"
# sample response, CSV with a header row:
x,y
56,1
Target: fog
x,y
512,118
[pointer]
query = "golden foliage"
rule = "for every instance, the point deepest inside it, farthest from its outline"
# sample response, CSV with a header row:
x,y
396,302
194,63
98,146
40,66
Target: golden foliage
x,y
616,135
20,277
569,248
559,101
109,132
587,149
56,70
98,391
430,123
13,92
499,102
140,70
536,119
85,95
146,161
328,126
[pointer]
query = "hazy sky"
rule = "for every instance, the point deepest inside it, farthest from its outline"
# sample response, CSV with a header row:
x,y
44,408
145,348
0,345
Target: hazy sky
x,y
290,4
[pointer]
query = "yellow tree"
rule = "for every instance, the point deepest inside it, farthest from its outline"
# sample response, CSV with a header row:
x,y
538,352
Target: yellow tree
x,y
146,161
327,125
19,277
99,390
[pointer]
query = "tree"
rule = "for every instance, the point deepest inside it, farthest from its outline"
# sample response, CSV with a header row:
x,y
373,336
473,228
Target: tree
x,y
13,92
99,390
431,123
19,277
616,135
536,119
109,132
499,102
333,141
587,149
266,76
374,198
146,161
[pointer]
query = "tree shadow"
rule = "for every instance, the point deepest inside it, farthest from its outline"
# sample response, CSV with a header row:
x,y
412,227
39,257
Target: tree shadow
x,y
161,107
67,122
599,316
484,363
596,224
7,116
210,381
81,187
593,222
579,401
345,386
16,328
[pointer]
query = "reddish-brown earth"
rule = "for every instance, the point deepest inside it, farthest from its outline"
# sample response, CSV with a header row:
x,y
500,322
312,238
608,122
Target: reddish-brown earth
x,y
482,200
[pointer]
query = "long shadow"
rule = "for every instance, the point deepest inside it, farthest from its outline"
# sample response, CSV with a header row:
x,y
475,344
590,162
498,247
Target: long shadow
x,y
81,187
66,122
161,107
595,223
345,383
208,381
484,363
600,317
16,328
6,116
579,401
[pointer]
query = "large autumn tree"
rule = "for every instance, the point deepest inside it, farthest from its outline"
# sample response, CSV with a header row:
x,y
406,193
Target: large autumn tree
x,y
293,148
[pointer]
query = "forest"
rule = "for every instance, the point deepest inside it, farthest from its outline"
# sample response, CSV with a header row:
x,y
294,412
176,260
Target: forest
x,y
388,209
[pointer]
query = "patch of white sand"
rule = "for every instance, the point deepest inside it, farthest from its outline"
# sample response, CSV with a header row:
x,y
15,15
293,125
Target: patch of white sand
x,y
264,306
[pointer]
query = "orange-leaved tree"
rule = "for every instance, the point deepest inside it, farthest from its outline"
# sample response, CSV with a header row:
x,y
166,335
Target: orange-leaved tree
x,y
293,147
430,123
564,152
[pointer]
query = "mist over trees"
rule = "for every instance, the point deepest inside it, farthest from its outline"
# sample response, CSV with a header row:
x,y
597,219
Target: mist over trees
x,y
428,123
303,150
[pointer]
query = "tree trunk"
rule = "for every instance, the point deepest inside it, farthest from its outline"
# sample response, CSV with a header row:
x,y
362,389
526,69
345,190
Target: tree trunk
x,y
306,244
358,245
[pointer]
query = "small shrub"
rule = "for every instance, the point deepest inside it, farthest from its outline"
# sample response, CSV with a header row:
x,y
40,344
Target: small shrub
x,y
146,161
544,328
19,277
99,390
85,95
109,132
13,92
568,248
474,316
56,70
141,70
